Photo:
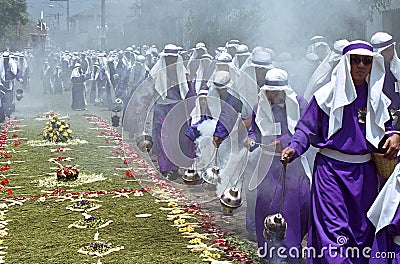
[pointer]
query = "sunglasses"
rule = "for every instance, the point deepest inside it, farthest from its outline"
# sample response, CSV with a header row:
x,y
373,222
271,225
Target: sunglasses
x,y
357,60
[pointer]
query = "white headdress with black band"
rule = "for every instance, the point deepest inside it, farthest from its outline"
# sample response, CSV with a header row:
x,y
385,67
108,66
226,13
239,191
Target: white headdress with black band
x,y
340,91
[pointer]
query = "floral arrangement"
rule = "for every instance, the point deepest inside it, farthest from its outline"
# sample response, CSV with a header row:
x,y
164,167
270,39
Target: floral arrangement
x,y
99,249
67,173
57,130
83,205
3,189
91,222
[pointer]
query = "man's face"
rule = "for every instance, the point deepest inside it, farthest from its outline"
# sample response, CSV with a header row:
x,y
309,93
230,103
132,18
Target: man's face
x,y
360,68
203,102
388,53
276,97
260,76
231,51
200,52
169,60
223,92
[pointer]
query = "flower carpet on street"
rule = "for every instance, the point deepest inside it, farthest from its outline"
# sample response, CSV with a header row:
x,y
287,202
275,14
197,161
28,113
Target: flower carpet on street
x,y
86,196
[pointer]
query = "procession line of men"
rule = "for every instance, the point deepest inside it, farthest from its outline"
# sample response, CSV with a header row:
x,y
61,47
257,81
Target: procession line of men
x,y
350,114
323,122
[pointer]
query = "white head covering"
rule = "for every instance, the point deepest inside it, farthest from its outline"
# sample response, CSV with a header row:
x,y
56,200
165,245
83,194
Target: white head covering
x,y
224,57
325,68
195,53
159,72
220,80
247,83
276,80
259,58
205,61
340,91
170,50
75,72
196,112
11,62
384,208
233,43
317,42
381,41
242,50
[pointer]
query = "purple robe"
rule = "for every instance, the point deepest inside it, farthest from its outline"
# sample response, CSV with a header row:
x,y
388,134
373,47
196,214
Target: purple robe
x,y
297,189
341,192
6,96
193,133
230,107
384,250
389,88
161,142
78,93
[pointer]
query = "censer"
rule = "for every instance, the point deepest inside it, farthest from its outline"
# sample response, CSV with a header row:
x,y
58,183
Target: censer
x,y
231,198
211,175
144,142
275,225
191,176
19,94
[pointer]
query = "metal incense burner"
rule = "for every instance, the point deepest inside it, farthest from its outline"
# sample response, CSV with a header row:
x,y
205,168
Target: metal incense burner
x,y
144,142
230,200
19,94
191,176
275,228
275,225
211,175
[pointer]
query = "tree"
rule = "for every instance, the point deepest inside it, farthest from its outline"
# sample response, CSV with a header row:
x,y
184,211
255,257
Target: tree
x,y
14,23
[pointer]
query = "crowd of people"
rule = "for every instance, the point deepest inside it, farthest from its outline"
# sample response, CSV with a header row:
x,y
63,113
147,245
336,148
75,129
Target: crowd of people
x,y
318,119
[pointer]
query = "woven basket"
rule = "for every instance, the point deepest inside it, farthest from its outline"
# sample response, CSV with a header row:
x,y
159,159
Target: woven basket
x,y
384,167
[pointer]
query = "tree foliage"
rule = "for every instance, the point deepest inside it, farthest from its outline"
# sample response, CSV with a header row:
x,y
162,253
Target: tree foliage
x,y
14,23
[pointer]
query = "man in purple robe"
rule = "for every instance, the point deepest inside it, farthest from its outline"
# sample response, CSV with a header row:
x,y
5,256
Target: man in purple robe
x,y
385,215
385,45
171,87
347,119
229,107
78,79
8,72
272,125
199,114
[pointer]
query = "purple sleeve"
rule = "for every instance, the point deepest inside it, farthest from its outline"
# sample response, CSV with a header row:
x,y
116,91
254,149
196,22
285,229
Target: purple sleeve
x,y
19,74
285,139
254,131
307,129
389,127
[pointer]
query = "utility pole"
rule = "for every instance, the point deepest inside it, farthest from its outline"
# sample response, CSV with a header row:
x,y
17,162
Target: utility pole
x,y
68,15
103,25
67,10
